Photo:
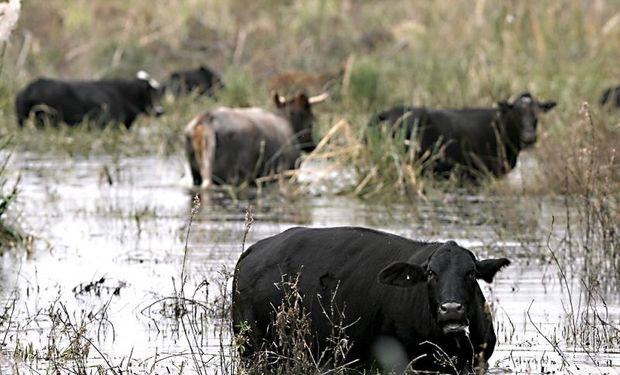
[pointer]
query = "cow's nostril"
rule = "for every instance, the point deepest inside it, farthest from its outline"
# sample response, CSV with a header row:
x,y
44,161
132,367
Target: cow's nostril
x,y
451,308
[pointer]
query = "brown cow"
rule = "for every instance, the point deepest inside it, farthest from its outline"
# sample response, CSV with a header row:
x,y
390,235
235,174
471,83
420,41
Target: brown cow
x,y
236,145
296,80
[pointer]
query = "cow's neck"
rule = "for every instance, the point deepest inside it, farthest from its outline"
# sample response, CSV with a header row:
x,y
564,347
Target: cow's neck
x,y
303,134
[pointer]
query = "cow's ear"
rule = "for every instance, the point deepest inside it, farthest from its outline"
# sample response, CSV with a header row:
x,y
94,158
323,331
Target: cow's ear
x,y
489,267
547,106
402,274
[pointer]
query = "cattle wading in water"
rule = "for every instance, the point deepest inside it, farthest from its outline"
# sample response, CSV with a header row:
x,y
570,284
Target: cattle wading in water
x,y
420,295
202,80
72,102
473,142
237,145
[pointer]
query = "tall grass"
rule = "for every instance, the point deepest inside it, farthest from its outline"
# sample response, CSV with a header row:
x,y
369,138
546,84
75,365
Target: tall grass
x,y
10,231
587,173
10,234
435,54
291,349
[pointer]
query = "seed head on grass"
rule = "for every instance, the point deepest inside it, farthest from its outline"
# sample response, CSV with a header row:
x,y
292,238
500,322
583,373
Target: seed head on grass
x,y
9,15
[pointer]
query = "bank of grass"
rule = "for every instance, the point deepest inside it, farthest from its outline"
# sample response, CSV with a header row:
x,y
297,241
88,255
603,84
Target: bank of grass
x,y
435,54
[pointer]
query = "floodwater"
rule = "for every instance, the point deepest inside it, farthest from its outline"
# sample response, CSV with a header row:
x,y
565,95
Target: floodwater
x,y
107,260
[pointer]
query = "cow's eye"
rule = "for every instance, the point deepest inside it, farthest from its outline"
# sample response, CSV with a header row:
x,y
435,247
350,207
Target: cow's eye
x,y
430,274
472,275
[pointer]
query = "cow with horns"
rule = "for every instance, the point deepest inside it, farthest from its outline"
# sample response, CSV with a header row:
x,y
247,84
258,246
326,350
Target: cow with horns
x,y
236,145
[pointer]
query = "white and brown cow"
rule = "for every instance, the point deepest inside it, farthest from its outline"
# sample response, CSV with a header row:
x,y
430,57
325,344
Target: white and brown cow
x,y
236,145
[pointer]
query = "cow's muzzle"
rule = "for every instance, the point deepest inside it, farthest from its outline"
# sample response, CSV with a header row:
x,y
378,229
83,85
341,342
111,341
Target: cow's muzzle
x,y
528,140
451,318
158,110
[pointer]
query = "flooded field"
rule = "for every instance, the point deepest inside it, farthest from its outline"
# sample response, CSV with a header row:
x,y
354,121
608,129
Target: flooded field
x,y
99,286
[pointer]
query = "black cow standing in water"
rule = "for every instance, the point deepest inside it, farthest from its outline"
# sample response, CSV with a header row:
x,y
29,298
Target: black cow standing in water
x,y
412,296
473,141
611,97
72,102
202,81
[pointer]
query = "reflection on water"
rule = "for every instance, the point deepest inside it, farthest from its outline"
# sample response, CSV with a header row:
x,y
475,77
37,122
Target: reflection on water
x,y
113,253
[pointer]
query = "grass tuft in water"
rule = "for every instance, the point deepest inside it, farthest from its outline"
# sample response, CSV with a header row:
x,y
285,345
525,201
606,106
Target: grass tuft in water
x,y
11,234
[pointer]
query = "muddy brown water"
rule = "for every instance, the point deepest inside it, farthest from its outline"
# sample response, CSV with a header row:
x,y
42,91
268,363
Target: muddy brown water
x,y
110,256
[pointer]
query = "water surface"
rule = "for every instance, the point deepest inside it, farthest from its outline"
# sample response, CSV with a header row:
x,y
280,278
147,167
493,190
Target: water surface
x,y
109,257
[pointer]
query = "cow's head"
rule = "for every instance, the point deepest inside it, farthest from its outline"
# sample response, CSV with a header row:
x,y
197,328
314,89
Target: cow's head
x,y
152,92
451,275
525,111
298,111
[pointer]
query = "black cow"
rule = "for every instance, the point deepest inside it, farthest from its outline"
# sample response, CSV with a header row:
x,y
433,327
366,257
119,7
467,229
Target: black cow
x,y
104,101
203,81
237,145
472,141
611,97
387,288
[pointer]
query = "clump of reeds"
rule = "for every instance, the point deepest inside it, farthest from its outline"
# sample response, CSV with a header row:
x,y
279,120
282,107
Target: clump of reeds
x,y
378,162
71,343
291,348
584,167
583,160
10,231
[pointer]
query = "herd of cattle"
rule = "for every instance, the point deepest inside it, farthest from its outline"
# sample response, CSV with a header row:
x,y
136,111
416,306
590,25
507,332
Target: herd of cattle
x,y
421,300
236,145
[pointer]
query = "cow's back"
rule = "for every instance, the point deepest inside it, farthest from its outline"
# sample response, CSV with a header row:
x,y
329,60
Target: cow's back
x,y
472,125
62,97
466,137
251,142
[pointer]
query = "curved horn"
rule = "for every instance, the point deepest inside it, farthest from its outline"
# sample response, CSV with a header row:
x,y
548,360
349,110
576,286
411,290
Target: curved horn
x,y
318,98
